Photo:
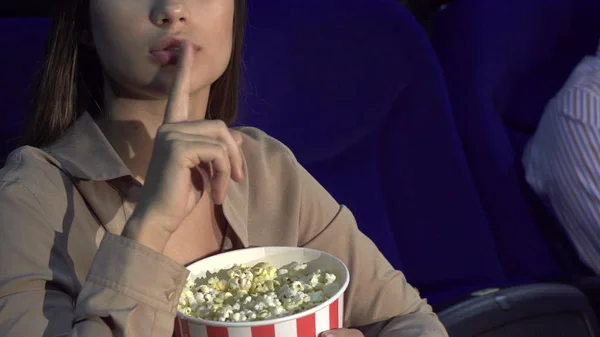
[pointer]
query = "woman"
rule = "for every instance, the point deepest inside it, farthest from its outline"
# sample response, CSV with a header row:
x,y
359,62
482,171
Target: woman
x,y
131,173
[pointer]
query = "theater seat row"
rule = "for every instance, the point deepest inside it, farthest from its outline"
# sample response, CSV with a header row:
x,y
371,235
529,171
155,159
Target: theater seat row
x,y
421,140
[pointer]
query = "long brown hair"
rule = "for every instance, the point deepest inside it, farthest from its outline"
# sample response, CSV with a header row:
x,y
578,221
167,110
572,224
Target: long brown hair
x,y
71,79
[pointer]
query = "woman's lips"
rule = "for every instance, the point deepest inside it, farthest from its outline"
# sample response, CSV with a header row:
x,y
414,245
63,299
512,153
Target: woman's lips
x,y
166,57
168,50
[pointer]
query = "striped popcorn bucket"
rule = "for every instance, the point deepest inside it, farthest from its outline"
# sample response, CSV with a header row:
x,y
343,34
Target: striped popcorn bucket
x,y
309,323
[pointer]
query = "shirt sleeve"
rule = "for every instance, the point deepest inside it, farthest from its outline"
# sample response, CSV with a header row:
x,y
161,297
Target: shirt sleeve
x,y
40,294
377,292
562,165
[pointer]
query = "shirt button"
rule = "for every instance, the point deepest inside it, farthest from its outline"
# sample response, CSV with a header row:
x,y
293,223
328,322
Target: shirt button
x,y
170,296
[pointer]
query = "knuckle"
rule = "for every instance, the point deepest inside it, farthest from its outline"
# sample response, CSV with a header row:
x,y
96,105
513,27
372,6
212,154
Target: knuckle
x,y
219,123
223,147
170,139
221,150
164,128
174,145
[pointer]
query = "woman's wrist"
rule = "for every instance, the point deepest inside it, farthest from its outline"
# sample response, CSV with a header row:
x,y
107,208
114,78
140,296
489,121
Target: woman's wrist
x,y
141,229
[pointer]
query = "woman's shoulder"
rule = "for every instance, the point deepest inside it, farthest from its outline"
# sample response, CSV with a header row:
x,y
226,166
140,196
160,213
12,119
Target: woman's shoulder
x,y
258,142
271,168
34,170
264,153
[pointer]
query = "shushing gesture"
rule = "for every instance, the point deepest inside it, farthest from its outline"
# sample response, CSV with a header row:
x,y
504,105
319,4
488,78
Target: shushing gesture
x,y
189,158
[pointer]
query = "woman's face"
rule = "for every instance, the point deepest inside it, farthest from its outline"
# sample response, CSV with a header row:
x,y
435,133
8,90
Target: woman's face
x,y
125,31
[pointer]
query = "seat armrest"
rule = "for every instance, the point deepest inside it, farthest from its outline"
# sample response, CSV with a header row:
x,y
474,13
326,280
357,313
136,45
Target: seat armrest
x,y
528,310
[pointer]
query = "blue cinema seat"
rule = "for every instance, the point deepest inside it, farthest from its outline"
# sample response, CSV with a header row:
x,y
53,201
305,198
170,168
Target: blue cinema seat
x,y
354,88
503,60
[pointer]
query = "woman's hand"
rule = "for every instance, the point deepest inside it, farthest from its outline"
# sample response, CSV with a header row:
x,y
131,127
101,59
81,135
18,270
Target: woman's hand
x,y
342,333
189,157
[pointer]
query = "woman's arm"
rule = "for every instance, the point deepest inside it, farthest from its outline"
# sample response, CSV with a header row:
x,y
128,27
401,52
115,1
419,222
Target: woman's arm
x,y
377,292
40,294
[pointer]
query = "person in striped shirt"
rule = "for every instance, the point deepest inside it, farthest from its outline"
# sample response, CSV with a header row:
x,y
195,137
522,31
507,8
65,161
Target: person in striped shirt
x,y
562,160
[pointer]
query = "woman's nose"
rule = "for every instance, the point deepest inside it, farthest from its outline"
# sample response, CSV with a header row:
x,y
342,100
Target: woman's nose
x,y
168,14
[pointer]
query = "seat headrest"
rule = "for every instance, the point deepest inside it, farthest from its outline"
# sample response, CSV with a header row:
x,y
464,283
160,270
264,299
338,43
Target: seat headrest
x,y
321,75
523,51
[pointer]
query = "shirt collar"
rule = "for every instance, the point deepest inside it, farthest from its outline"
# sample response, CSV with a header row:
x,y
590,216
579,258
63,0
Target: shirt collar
x,y
86,154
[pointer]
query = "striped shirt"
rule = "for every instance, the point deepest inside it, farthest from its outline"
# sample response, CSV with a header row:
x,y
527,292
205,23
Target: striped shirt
x,y
562,160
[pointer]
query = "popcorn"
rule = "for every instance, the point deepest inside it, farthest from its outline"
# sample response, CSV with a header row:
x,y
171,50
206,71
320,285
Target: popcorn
x,y
256,293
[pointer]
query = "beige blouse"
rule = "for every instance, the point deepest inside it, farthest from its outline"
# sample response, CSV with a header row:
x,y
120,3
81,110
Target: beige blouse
x,y
66,271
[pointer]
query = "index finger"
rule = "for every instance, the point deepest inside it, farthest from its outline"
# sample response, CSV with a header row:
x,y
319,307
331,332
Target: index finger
x,y
179,97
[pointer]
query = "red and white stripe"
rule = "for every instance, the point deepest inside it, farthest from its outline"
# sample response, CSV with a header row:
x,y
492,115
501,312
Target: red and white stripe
x,y
330,317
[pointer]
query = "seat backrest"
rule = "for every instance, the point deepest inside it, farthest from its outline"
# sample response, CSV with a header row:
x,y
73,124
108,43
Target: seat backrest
x,y
354,88
503,60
